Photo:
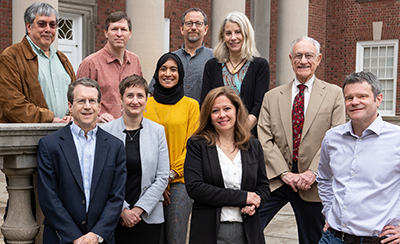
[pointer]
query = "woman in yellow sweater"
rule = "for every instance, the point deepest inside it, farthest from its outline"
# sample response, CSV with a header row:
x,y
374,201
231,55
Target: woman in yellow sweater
x,y
179,115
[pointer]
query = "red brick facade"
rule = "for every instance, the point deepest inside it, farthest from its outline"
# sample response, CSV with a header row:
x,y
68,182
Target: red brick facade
x,y
5,24
349,22
104,8
174,11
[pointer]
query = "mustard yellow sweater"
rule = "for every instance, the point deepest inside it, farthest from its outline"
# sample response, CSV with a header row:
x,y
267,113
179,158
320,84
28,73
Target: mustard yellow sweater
x,y
180,120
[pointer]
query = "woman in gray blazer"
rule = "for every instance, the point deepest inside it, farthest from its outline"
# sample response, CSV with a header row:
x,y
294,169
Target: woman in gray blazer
x,y
147,165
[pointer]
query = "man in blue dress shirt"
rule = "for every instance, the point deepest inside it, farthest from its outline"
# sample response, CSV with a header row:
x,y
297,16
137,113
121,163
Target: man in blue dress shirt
x,y
359,170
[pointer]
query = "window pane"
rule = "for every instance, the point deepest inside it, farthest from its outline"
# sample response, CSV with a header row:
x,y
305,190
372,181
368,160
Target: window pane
x,y
366,62
382,51
390,51
367,52
382,62
389,62
374,62
374,52
389,73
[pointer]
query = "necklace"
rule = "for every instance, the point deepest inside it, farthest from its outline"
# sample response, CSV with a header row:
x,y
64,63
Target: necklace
x,y
235,67
229,148
131,137
158,118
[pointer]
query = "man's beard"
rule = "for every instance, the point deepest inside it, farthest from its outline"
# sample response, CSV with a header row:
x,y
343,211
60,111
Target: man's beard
x,y
193,38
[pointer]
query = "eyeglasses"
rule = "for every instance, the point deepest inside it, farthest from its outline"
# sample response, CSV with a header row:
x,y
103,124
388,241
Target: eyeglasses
x,y
43,24
190,24
92,101
298,56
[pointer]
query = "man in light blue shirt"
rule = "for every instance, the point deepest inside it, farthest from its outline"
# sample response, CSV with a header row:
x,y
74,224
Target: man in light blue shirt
x,y
359,170
81,174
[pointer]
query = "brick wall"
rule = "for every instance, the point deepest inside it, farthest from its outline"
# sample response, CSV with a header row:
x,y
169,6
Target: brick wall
x,y
104,8
174,10
348,22
273,43
317,30
5,24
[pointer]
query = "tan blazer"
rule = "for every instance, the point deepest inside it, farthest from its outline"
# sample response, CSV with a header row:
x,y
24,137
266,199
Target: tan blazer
x,y
325,110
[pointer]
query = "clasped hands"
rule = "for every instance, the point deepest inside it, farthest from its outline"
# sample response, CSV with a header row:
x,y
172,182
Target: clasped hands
x,y
302,181
130,217
89,238
253,202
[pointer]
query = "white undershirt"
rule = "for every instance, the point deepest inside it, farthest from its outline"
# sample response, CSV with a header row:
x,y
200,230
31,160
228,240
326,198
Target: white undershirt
x,y
232,176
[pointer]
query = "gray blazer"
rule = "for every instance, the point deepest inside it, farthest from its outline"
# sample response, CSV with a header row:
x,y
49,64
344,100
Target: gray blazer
x,y
155,166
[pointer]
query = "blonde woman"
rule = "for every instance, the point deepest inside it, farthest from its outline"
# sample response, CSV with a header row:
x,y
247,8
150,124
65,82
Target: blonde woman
x,y
237,64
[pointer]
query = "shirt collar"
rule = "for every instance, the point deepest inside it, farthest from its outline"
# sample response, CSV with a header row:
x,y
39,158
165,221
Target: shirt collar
x,y
374,127
308,84
78,132
38,50
198,50
111,58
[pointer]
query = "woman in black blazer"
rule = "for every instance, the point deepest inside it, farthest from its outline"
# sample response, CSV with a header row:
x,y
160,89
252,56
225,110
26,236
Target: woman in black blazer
x,y
225,174
237,64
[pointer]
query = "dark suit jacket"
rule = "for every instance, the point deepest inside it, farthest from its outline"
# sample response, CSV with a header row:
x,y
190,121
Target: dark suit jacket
x,y
205,185
61,193
254,85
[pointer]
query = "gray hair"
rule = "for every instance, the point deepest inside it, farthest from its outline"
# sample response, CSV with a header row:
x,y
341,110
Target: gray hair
x,y
41,9
306,38
84,82
369,77
195,10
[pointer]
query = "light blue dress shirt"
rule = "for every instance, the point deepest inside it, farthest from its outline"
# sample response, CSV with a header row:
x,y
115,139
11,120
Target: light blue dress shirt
x,y
86,152
53,79
359,178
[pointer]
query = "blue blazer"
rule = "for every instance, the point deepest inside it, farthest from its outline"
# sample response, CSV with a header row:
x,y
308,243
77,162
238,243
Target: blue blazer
x,y
155,166
61,192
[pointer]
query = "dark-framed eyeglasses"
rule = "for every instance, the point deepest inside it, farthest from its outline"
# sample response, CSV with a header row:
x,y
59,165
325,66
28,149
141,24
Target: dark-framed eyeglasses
x,y
190,24
43,24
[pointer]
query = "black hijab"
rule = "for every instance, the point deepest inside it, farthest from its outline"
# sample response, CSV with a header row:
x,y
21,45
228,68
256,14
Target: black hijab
x,y
168,95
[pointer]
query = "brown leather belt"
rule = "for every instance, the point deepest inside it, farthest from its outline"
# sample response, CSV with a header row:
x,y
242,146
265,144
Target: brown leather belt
x,y
352,239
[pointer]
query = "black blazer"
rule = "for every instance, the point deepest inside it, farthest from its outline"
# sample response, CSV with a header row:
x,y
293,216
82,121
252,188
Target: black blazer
x,y
61,192
205,185
254,85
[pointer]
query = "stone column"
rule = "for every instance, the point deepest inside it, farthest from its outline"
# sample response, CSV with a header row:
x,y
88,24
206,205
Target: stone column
x,y
18,23
261,18
147,32
219,9
18,149
292,24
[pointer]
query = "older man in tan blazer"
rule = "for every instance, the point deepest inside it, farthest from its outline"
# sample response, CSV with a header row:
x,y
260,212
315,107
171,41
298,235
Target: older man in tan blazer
x,y
292,123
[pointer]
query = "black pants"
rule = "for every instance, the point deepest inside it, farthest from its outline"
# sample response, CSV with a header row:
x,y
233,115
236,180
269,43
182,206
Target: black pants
x,y
141,233
309,218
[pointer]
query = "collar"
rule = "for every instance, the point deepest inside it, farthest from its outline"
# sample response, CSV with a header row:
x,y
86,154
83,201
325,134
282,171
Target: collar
x,y
374,127
198,50
38,50
308,84
111,58
78,132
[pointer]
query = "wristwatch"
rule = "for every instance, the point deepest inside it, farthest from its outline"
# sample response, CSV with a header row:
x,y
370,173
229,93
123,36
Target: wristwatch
x,y
171,175
99,239
284,173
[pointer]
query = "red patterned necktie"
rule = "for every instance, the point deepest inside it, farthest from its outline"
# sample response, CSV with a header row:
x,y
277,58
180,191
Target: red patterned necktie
x,y
298,120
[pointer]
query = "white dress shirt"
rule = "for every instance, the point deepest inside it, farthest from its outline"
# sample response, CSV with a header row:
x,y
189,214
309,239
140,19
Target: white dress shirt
x,y
307,92
232,175
359,178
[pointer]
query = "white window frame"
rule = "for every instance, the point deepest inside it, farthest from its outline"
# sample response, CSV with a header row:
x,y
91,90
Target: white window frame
x,y
359,67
